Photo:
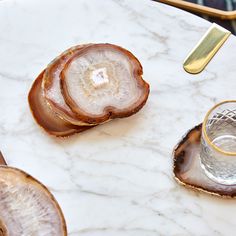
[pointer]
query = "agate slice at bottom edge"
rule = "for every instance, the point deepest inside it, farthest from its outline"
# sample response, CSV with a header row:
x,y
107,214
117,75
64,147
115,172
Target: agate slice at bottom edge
x,y
45,116
27,207
187,169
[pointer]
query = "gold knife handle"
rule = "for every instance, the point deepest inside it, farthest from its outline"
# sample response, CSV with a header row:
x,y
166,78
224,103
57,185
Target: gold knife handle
x,y
206,48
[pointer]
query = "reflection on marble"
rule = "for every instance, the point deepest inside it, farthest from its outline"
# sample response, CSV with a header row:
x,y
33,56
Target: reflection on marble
x,y
115,179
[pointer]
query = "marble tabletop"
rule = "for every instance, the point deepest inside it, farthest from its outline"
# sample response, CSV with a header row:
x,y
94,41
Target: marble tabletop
x,y
115,179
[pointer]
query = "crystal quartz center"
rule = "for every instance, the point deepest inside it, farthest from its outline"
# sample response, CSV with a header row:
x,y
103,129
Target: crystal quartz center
x,y
27,207
99,77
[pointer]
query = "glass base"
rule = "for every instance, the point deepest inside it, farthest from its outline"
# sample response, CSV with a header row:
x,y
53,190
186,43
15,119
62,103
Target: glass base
x,y
217,179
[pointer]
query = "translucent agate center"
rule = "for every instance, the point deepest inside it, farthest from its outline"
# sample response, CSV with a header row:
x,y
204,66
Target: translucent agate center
x,y
99,77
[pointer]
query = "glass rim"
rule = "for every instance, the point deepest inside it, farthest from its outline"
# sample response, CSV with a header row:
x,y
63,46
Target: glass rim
x,y
205,132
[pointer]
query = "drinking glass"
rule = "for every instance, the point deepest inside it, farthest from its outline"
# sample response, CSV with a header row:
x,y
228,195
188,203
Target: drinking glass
x,y
218,143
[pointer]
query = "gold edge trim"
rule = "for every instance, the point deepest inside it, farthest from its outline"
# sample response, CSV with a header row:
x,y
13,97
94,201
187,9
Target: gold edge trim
x,y
224,15
192,187
205,133
199,189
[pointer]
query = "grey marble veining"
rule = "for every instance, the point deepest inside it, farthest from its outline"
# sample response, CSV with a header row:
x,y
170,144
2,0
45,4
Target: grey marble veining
x,y
115,179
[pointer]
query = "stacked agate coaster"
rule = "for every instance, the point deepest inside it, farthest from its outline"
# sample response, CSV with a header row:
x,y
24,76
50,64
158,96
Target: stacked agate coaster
x,y
85,86
26,206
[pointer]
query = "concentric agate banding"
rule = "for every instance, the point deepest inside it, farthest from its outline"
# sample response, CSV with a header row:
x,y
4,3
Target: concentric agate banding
x,y
27,207
116,91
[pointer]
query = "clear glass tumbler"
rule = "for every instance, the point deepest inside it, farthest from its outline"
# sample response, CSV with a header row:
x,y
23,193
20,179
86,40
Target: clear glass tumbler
x,y
218,143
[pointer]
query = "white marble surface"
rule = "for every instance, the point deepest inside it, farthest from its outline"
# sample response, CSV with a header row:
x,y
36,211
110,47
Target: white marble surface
x,y
116,179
